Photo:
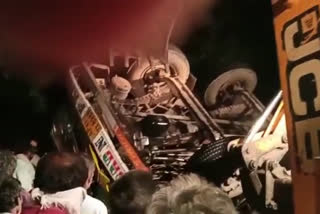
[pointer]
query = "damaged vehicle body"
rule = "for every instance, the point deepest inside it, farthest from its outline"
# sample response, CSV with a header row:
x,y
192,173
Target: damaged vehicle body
x,y
146,116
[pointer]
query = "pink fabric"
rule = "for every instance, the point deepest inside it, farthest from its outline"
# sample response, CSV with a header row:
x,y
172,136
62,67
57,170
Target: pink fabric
x,y
26,198
37,210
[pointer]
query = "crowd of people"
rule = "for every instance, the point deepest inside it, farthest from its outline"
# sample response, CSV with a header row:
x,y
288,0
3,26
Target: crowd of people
x,y
58,183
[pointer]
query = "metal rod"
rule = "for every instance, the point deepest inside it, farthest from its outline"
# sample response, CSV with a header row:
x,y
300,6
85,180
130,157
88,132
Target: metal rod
x,y
275,120
259,123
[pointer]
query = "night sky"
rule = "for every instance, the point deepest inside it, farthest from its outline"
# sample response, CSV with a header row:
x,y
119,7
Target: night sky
x,y
239,33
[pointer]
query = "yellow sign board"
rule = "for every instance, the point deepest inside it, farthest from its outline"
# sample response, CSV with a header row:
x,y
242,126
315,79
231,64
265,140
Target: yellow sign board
x,y
91,124
298,42
298,46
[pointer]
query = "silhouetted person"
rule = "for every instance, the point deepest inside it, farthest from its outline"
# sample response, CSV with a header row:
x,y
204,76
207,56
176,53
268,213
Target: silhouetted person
x,y
132,193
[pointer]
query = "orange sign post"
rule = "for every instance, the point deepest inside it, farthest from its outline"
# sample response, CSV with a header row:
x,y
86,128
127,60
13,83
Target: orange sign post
x,y
298,45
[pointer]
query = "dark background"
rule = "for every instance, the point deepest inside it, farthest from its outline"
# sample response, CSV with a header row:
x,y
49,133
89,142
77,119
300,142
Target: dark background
x,y
238,33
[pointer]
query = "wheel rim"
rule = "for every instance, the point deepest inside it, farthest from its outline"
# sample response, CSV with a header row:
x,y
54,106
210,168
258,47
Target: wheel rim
x,y
245,76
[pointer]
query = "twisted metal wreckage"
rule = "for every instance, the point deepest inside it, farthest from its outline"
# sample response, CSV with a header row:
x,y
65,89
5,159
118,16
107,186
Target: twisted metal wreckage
x,y
145,116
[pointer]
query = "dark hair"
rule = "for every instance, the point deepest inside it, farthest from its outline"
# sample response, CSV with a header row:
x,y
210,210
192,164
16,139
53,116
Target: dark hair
x,y
10,190
22,146
132,193
60,171
8,162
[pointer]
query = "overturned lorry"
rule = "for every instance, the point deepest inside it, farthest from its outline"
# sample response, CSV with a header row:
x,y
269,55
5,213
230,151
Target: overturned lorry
x,y
145,115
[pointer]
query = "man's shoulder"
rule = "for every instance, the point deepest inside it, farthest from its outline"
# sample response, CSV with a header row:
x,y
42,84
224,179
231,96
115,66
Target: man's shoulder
x,y
22,157
91,200
23,162
92,205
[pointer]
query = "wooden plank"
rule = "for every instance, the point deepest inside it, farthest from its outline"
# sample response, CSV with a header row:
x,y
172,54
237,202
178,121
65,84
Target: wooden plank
x,y
298,46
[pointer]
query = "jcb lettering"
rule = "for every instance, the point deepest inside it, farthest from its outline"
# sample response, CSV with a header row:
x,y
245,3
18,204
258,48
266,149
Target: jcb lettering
x,y
302,46
299,98
308,137
295,52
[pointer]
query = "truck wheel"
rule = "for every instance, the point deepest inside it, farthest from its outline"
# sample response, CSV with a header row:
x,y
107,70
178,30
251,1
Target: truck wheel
x,y
142,70
245,76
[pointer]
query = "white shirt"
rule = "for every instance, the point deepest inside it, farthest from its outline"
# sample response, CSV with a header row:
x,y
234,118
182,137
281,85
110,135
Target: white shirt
x,y
70,199
35,159
24,172
92,205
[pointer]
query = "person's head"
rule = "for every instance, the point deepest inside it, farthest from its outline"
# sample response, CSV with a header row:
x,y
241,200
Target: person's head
x,y
91,170
8,162
60,171
190,194
10,196
132,193
28,148
33,144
